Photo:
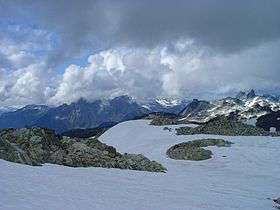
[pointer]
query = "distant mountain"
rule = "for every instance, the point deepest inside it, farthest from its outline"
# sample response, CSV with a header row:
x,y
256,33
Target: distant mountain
x,y
88,132
7,109
24,117
80,114
165,105
83,114
245,106
196,109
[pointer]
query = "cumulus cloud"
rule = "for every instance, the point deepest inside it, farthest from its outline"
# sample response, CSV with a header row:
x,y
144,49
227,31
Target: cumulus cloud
x,y
29,85
146,49
182,70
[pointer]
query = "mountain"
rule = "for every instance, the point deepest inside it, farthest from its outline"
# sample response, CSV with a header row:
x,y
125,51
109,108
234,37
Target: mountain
x,y
245,106
196,109
7,109
80,114
26,116
165,105
88,132
84,114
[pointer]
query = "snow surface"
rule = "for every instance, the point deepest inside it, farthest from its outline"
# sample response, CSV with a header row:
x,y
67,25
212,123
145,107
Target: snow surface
x,y
239,177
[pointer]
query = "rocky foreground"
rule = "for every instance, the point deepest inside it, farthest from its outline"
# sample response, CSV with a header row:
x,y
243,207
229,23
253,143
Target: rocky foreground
x,y
193,150
225,126
36,146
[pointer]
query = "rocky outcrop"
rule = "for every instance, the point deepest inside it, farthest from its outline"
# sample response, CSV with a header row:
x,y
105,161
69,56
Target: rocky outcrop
x,y
36,146
227,126
269,121
159,121
193,150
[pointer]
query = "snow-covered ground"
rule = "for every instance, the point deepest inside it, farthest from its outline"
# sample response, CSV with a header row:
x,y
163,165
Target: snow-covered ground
x,y
240,177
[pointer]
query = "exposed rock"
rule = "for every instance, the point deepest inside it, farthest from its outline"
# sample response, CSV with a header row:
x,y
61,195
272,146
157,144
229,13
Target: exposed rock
x,y
196,109
193,150
251,94
227,126
268,121
36,146
277,200
167,129
160,121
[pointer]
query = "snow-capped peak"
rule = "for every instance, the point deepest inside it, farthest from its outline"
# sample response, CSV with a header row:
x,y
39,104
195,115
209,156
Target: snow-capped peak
x,y
245,106
168,102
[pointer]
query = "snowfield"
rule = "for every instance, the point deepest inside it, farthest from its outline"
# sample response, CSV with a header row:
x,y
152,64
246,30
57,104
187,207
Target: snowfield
x,y
243,177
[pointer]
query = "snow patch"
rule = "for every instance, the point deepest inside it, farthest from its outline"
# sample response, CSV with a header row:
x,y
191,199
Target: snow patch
x,y
168,102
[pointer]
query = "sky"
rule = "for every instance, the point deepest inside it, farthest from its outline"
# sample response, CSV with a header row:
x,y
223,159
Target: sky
x,y
57,51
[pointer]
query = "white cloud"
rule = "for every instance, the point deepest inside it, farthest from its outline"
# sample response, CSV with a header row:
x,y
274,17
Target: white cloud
x,y
28,85
181,70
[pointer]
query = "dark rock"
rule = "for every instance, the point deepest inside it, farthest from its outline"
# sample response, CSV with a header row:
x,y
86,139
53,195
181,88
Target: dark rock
x,y
269,120
251,94
36,146
277,200
168,129
160,121
193,150
222,125
88,132
194,107
241,95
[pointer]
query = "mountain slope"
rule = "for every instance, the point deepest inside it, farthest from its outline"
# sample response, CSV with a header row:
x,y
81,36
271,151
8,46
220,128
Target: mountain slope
x,y
83,114
80,114
245,106
166,105
23,117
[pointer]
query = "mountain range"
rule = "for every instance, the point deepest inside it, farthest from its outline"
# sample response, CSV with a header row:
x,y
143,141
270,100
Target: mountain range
x,y
83,114
80,114
244,106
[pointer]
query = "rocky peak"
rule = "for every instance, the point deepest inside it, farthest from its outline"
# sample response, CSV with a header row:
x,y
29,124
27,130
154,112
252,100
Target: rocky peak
x,y
195,106
241,95
251,94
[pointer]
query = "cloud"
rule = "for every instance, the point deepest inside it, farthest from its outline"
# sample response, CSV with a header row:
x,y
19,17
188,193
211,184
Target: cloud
x,y
146,49
29,85
223,26
24,75
182,70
